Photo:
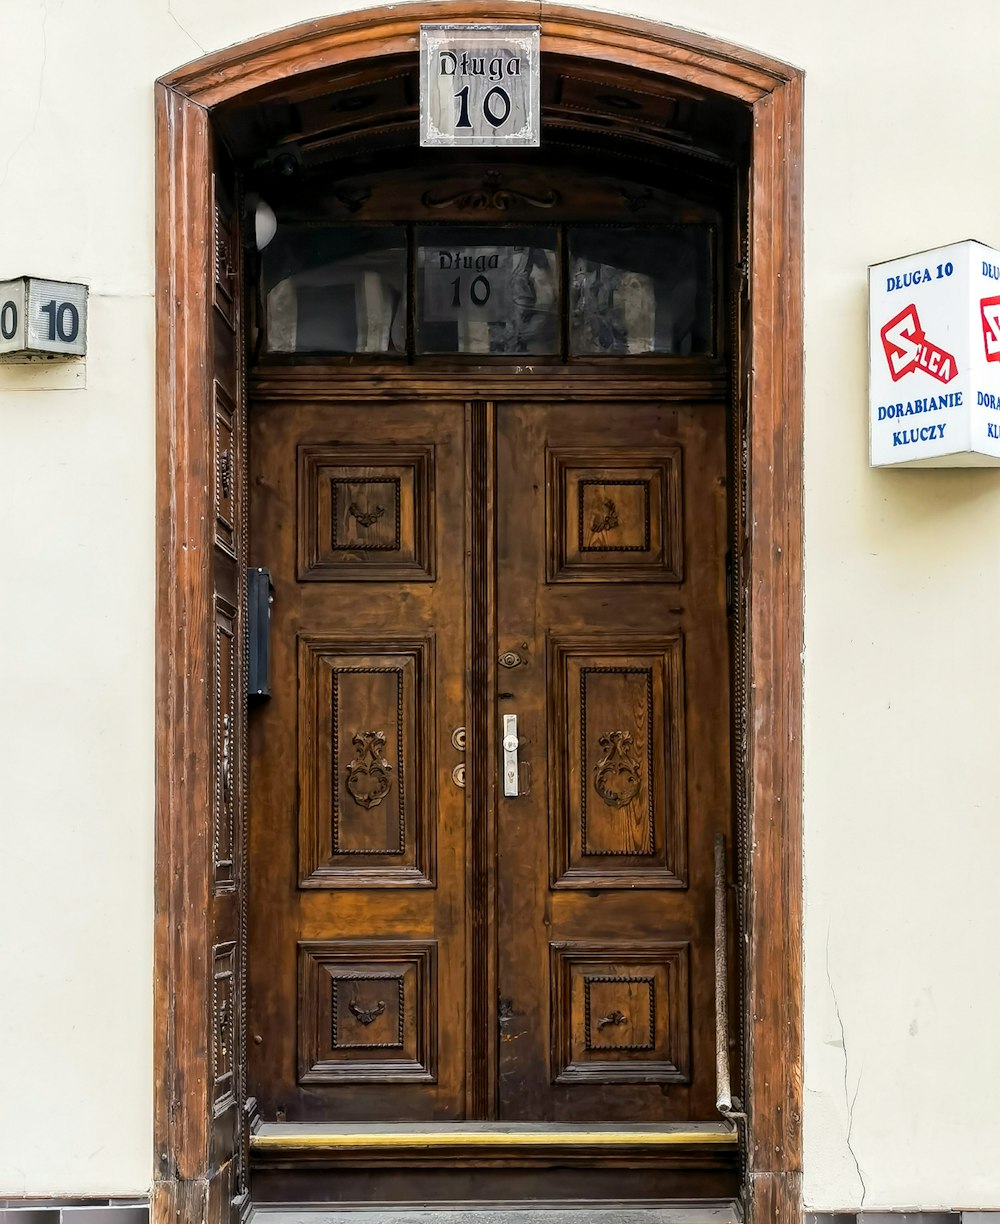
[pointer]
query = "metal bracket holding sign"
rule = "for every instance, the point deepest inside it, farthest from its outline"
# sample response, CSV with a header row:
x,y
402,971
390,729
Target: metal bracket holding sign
x,y
42,319
480,86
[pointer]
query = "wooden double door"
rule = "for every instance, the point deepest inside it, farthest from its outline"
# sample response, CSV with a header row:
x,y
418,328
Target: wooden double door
x,y
453,917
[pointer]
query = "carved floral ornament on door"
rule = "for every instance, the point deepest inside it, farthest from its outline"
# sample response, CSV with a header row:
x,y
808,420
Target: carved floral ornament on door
x,y
200,980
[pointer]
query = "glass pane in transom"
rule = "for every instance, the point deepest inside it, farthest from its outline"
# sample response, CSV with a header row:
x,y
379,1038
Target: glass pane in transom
x,y
335,290
637,290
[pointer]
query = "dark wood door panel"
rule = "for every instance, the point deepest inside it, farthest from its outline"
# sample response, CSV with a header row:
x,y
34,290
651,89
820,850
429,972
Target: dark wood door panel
x,y
620,1013
367,779
616,730
366,513
358,922
611,541
367,1012
614,513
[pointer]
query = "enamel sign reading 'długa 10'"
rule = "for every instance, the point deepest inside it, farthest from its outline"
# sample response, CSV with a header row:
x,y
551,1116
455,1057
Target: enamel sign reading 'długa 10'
x,y
479,85
934,358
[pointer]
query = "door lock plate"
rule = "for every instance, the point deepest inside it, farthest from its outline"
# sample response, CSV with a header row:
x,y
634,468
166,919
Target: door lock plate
x,y
510,768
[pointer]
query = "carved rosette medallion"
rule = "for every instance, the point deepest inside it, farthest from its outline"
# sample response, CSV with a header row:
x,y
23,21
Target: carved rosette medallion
x,y
366,1015
617,776
607,521
365,518
367,778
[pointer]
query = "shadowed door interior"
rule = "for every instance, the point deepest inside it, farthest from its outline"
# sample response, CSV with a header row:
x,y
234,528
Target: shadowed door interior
x,y
427,944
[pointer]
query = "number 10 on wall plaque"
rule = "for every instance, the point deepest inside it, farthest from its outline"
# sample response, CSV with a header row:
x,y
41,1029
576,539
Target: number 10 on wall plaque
x,y
42,318
479,85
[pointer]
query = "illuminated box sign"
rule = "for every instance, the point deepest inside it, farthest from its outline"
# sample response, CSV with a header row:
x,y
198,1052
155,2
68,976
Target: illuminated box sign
x,y
934,358
479,85
42,318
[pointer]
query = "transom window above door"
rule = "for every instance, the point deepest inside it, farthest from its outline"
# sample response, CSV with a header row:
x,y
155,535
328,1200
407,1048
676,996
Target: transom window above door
x,y
553,292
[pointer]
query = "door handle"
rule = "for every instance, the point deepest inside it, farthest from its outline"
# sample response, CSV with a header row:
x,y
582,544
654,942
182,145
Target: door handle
x,y
509,744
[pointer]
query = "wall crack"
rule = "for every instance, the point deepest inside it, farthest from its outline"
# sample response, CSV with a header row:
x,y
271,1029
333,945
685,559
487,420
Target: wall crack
x,y
183,29
849,1100
38,101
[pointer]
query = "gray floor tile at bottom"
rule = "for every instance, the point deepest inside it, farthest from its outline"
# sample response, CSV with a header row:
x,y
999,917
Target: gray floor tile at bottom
x,y
907,1217
130,1214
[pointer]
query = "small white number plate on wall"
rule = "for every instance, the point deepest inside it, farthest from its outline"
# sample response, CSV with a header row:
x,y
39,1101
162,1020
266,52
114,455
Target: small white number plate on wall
x,y
42,318
479,85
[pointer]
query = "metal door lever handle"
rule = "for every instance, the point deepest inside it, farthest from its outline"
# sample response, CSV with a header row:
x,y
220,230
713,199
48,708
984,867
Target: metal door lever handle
x,y
509,743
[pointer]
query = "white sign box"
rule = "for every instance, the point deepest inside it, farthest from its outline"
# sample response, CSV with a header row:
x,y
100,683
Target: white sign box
x,y
42,318
479,85
934,358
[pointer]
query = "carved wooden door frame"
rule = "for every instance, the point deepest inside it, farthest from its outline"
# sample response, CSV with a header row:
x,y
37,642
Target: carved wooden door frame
x,y
199,1123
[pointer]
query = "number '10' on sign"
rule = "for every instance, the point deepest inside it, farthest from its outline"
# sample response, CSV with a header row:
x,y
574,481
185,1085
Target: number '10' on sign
x,y
64,321
42,318
495,106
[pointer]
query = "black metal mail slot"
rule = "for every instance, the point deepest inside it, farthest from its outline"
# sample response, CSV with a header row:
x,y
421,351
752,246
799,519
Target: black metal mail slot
x,y
259,595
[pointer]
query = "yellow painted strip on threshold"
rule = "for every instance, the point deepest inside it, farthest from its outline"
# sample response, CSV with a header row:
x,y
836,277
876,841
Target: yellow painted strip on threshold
x,y
458,1139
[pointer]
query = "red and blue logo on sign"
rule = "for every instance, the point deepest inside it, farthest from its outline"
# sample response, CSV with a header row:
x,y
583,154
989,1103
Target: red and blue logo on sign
x,y
907,349
989,309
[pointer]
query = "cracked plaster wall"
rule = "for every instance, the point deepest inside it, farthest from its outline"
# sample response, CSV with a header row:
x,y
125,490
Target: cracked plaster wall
x,y
903,574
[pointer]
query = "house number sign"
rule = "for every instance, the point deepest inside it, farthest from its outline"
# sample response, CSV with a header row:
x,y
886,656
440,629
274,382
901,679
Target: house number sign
x,y
42,318
479,85
468,284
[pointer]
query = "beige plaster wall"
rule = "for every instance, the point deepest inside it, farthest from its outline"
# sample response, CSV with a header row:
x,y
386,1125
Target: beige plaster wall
x,y
903,576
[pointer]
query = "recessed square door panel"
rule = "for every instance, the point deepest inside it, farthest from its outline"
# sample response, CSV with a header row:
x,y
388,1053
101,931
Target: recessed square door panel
x,y
366,514
620,1013
615,515
367,1011
366,763
616,721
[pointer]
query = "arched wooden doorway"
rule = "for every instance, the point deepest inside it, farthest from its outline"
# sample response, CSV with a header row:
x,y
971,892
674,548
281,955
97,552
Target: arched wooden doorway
x,y
201,1106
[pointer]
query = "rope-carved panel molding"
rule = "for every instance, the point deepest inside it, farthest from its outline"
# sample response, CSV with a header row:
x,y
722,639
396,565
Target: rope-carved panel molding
x,y
365,514
368,1011
226,792
616,716
366,763
620,1013
227,463
617,515
224,1002
365,997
